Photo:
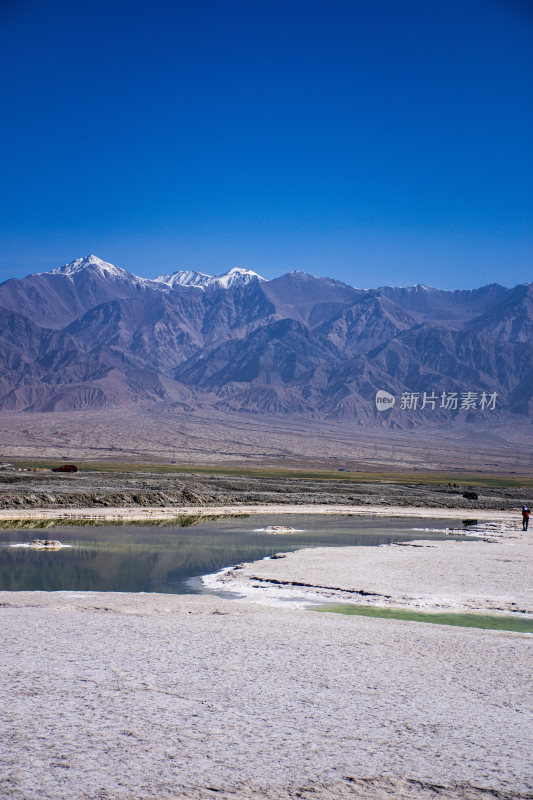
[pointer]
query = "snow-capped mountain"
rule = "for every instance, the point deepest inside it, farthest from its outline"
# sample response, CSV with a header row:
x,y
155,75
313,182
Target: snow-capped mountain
x,y
90,262
91,334
94,266
184,277
234,277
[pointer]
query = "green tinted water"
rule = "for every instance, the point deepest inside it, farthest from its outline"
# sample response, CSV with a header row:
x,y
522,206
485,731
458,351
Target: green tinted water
x,y
499,622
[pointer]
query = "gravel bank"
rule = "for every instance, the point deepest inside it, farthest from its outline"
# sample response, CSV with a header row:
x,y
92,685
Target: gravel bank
x,y
101,490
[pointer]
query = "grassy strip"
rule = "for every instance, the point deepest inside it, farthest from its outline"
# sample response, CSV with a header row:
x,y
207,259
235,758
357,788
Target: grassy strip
x,y
409,478
495,622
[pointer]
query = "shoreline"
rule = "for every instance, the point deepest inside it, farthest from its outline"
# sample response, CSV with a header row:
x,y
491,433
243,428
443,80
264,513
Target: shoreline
x,y
169,512
491,577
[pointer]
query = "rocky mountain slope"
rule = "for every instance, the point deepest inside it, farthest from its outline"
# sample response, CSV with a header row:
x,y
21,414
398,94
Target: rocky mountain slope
x,y
92,335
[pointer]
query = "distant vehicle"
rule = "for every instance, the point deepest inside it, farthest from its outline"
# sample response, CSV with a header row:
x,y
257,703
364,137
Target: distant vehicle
x,y
66,468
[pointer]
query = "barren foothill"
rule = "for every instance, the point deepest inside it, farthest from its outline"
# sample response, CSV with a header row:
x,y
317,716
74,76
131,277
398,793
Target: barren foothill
x,y
165,433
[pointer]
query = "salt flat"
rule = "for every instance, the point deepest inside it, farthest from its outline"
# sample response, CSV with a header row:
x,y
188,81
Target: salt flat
x,y
109,696
493,576
159,696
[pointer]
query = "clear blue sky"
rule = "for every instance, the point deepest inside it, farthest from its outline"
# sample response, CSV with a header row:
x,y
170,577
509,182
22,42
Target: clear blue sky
x,y
378,143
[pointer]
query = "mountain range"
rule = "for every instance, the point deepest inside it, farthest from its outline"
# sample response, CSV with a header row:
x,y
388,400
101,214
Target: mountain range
x,y
92,335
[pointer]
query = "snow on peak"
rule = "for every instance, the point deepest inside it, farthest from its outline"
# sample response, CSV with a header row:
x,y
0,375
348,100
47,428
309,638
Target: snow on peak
x,y
185,277
237,276
95,264
412,288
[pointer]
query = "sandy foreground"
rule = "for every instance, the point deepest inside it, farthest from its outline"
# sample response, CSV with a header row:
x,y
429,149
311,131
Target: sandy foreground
x,y
109,696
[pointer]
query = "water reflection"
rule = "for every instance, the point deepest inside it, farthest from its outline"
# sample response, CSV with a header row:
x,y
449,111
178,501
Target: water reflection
x,y
138,558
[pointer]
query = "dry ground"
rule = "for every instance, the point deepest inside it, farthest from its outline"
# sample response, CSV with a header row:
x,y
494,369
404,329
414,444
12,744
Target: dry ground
x,y
144,489
152,697
166,434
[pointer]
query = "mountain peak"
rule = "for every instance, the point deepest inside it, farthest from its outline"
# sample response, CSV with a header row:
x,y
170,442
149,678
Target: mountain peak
x,y
419,287
184,277
297,273
237,276
94,264
411,289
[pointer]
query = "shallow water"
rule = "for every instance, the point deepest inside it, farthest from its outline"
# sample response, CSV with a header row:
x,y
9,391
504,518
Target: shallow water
x,y
137,558
497,622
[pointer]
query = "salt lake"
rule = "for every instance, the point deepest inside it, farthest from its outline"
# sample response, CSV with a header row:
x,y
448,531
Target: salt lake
x,y
168,559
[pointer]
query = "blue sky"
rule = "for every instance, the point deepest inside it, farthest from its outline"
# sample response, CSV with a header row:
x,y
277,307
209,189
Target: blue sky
x,y
378,143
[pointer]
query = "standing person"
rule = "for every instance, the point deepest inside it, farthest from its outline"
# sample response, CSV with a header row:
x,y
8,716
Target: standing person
x,y
525,518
